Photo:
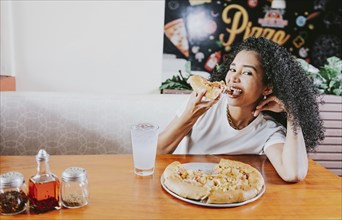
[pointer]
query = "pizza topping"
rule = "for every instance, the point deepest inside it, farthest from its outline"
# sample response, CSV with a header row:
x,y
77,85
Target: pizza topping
x,y
193,176
182,172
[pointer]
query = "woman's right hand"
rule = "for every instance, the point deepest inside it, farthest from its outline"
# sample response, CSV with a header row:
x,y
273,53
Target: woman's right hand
x,y
198,105
176,130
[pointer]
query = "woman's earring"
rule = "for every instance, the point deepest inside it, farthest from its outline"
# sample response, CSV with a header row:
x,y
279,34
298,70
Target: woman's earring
x,y
265,97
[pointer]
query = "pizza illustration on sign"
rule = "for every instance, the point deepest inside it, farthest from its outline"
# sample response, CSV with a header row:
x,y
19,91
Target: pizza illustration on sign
x,y
176,33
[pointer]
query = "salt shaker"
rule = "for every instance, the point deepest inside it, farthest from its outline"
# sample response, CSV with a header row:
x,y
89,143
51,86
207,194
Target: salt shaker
x,y
74,189
13,193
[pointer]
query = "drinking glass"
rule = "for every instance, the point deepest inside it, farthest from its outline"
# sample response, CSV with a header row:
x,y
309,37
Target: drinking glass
x,y
144,144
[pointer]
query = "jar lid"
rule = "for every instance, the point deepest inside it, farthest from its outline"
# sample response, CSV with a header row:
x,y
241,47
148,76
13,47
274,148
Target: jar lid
x,y
74,174
42,155
11,179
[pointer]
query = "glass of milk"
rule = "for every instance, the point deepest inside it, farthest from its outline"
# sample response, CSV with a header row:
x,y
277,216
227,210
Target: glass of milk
x,y
144,144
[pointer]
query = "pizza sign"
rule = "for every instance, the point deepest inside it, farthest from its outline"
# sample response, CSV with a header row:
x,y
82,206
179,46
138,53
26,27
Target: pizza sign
x,y
204,31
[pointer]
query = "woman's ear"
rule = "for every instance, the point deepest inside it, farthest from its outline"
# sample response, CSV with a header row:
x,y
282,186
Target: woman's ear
x,y
268,90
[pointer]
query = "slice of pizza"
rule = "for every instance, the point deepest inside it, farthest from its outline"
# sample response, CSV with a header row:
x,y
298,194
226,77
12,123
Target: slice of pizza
x,y
176,33
186,183
234,181
213,89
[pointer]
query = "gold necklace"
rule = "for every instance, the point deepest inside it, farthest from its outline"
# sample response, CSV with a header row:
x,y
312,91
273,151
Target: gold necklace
x,y
230,120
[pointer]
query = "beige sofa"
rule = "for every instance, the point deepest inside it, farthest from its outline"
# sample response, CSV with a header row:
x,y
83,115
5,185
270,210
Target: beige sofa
x,y
77,123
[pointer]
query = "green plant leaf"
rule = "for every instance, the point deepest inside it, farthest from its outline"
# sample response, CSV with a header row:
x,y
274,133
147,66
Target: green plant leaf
x,y
331,75
338,91
335,63
178,82
324,86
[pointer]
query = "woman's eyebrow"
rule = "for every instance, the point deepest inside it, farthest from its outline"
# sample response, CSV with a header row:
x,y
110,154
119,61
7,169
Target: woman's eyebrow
x,y
249,66
245,65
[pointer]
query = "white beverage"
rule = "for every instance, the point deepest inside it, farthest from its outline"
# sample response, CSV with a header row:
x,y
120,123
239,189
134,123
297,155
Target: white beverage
x,y
144,144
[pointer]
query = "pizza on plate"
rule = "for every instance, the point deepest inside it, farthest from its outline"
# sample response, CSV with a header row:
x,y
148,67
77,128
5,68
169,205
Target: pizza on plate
x,y
228,182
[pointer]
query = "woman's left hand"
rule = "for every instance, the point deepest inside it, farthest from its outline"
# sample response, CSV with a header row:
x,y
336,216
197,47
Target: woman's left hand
x,y
271,103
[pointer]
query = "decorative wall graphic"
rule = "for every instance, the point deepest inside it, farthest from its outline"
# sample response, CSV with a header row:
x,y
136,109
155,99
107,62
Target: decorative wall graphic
x,y
176,33
203,32
273,18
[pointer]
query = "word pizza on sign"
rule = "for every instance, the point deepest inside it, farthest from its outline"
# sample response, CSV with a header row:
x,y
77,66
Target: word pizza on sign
x,y
240,23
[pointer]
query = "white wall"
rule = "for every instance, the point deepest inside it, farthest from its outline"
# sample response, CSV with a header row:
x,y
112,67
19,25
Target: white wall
x,y
88,46
6,40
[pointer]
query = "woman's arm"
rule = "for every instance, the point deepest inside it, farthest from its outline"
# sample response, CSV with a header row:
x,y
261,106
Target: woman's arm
x,y
289,159
172,135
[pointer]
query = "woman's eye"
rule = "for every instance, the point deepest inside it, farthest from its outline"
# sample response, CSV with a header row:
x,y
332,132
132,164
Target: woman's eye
x,y
247,73
232,70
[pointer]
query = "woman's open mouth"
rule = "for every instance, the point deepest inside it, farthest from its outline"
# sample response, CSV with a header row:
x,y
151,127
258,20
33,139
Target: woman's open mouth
x,y
234,91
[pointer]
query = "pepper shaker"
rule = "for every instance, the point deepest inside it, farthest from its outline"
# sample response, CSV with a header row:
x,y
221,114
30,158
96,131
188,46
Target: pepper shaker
x,y
74,189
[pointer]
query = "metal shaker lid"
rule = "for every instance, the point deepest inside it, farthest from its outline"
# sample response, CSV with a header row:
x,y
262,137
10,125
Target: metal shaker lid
x,y
42,155
11,179
74,174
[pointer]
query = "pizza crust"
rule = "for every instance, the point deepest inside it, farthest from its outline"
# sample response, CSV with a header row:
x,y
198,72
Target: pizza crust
x,y
218,196
185,189
230,182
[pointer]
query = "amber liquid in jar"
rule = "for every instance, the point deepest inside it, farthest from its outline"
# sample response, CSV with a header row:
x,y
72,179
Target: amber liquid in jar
x,y
44,186
44,196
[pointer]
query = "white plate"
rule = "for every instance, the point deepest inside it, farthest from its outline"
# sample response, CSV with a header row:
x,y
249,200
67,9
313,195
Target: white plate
x,y
207,168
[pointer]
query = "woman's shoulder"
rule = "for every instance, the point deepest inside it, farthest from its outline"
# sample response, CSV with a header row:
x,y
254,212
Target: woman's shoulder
x,y
270,121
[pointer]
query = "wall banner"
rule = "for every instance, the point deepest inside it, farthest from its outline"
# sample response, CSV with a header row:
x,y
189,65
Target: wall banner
x,y
204,31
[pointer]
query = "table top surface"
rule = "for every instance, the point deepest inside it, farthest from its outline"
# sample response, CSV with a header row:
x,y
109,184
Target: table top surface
x,y
115,192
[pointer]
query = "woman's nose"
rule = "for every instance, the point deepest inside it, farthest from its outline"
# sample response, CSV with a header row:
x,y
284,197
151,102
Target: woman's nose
x,y
234,77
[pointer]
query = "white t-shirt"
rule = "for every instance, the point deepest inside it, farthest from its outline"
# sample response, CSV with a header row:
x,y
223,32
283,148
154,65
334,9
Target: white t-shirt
x,y
212,134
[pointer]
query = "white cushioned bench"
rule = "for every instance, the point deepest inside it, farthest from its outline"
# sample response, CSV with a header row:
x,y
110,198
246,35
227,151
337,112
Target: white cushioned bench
x,y
77,124
65,123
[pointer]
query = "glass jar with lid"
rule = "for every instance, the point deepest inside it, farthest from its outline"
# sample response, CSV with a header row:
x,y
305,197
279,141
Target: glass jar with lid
x,y
74,189
13,193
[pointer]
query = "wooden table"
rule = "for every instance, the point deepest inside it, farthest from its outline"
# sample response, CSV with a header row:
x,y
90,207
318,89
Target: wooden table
x,y
116,193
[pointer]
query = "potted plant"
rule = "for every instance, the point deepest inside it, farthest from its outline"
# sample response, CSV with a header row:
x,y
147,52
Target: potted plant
x,y
177,83
327,78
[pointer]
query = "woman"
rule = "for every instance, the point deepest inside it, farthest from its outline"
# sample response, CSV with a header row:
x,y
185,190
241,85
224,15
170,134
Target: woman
x,y
270,108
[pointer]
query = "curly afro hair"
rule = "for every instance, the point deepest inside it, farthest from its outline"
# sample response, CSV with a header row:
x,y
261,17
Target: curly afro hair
x,y
290,85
